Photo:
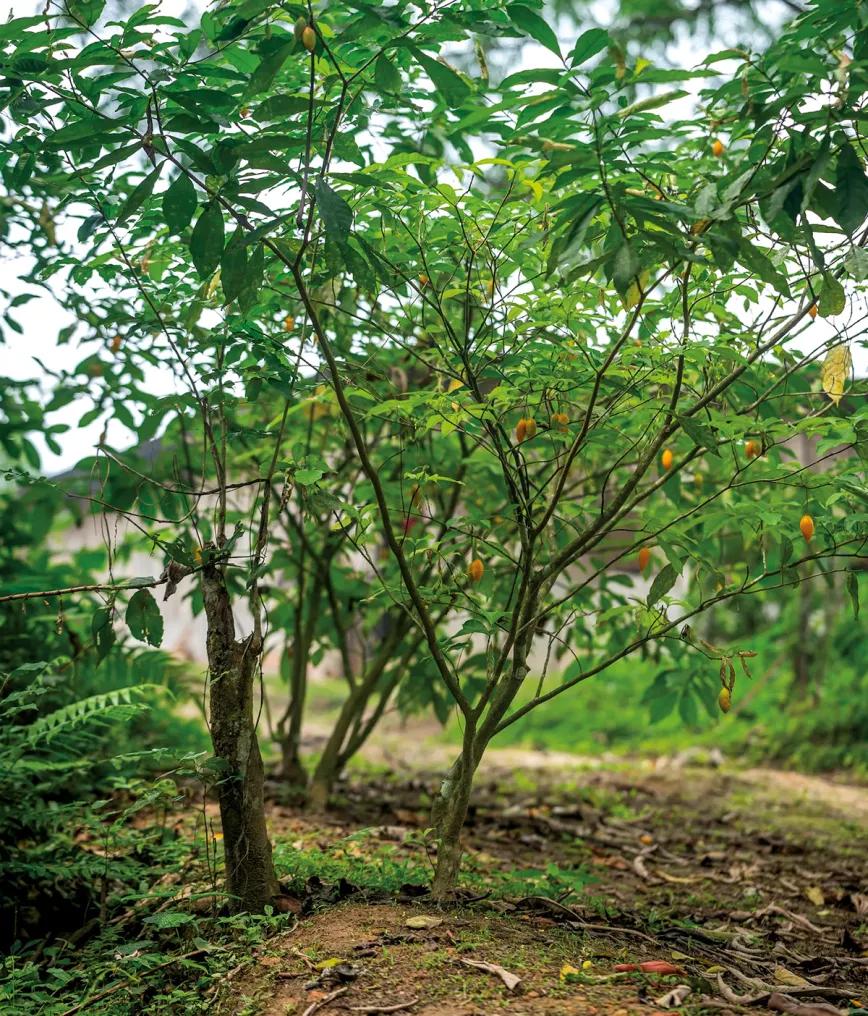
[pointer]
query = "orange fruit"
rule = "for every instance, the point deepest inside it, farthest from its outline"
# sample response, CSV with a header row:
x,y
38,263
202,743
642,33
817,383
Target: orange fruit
x,y
423,281
717,148
525,429
475,570
724,700
667,458
116,343
288,323
308,39
752,449
644,557
812,310
560,420
806,524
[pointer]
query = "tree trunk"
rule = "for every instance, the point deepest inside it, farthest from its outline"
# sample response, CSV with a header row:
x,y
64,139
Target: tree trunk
x,y
329,765
250,880
350,732
448,814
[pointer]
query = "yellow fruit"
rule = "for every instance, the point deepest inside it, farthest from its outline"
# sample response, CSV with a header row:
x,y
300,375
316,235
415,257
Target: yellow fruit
x,y
423,281
812,310
667,458
752,449
288,323
806,524
521,430
724,700
308,39
476,570
644,558
560,420
717,148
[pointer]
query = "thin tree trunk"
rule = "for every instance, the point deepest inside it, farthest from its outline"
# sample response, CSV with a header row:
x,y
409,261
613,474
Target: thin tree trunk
x,y
292,769
340,747
329,764
250,880
448,815
449,811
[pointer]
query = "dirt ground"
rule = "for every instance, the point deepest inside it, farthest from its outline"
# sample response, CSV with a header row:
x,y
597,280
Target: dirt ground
x,y
752,886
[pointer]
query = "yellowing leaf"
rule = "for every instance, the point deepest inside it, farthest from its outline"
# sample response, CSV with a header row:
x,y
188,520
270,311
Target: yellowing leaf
x,y
784,976
328,964
423,921
815,895
836,372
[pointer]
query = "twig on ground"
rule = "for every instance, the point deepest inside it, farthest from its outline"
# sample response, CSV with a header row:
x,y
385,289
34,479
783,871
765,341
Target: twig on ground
x,y
379,1008
324,1001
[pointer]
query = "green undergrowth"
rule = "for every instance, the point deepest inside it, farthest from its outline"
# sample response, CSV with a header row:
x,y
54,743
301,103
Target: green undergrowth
x,y
769,723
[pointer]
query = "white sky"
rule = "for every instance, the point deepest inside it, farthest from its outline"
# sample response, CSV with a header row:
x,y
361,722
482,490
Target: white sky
x,y
42,318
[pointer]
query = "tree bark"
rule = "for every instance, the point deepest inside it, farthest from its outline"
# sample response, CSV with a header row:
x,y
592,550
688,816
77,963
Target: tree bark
x,y
447,817
251,883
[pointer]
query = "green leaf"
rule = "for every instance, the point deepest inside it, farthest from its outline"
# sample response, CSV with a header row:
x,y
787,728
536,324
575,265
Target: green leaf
x,y
832,298
233,267
337,216
664,580
206,241
853,589
448,82
786,550
85,12
266,72
138,197
701,435
589,43
761,265
534,26
651,102
179,203
625,267
851,191
386,75
102,632
144,619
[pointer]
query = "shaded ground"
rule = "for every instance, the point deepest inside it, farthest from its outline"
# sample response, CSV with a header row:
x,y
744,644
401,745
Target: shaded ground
x,y
751,884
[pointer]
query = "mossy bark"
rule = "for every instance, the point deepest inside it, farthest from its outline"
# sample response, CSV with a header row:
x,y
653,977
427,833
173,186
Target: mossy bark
x,y
250,880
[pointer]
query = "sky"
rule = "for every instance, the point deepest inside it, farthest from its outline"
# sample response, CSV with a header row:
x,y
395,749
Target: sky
x,y
42,319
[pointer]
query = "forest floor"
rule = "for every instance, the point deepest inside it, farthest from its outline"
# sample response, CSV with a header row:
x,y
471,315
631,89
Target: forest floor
x,y
751,885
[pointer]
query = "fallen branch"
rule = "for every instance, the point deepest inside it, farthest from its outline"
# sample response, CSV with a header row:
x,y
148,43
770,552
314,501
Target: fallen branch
x,y
320,1002
781,1003
397,1007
